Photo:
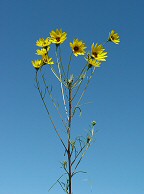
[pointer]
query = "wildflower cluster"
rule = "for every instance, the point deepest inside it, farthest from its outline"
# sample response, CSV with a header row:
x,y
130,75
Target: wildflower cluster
x,y
75,148
93,58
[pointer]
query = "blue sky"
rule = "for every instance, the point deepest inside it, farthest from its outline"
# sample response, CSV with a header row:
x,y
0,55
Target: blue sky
x,y
30,153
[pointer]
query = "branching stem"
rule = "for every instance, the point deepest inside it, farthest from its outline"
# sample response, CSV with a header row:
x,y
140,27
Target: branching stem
x,y
50,117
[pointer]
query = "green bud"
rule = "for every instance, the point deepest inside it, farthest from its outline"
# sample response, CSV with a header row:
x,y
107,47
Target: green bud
x,y
93,123
65,164
73,144
71,78
89,139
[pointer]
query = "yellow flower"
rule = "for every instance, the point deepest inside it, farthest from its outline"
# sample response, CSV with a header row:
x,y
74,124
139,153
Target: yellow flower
x,y
78,47
58,37
47,60
37,64
42,51
98,52
114,37
43,42
92,62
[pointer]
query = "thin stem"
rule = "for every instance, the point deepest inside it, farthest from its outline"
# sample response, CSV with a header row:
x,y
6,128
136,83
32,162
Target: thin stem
x,y
57,181
78,172
62,90
105,42
69,65
49,92
78,103
50,117
78,154
83,70
80,82
54,72
69,136
62,67
81,158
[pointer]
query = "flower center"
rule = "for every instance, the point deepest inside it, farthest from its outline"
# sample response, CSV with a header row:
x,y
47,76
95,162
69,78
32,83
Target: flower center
x,y
58,39
76,48
112,37
95,54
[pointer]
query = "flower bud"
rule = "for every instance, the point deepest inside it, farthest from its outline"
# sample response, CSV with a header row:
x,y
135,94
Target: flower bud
x,y
93,123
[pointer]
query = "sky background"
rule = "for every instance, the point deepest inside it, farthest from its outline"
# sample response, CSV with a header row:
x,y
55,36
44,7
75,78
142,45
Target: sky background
x,y
30,153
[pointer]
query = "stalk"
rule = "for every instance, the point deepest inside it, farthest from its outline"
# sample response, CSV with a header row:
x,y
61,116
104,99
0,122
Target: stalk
x,y
69,136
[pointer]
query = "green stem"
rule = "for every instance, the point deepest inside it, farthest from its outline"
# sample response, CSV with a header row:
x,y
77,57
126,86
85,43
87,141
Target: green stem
x,y
78,103
62,67
52,99
84,70
78,154
69,136
87,147
55,74
69,65
62,90
50,117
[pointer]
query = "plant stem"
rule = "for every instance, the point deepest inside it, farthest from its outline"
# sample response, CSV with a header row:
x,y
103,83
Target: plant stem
x,y
69,135
48,112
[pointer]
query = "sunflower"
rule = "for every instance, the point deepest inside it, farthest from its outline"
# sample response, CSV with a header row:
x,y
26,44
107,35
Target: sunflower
x,y
47,60
92,62
37,64
98,52
114,37
78,47
43,42
58,37
42,51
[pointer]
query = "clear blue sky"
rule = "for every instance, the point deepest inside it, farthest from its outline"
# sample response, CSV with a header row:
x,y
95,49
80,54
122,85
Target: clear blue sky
x,y
30,153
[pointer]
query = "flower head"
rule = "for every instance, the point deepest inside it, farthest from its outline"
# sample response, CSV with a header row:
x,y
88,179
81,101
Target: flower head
x,y
98,52
37,64
78,47
58,37
42,51
114,37
92,62
43,42
47,60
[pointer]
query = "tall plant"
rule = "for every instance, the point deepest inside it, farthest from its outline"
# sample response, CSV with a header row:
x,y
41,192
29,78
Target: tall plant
x,y
70,85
